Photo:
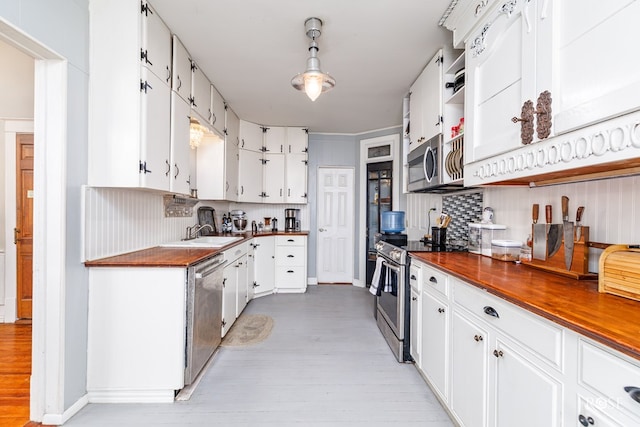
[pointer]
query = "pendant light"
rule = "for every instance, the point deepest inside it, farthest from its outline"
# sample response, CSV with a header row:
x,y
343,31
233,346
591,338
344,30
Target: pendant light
x,y
313,81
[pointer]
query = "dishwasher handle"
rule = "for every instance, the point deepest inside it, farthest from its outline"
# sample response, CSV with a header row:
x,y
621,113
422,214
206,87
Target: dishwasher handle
x,y
209,266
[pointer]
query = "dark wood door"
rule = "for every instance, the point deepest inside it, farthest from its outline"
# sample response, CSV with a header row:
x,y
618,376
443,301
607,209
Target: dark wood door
x,y
24,224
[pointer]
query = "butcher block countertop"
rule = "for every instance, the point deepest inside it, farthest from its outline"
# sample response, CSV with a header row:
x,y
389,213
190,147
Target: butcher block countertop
x,y
575,304
175,256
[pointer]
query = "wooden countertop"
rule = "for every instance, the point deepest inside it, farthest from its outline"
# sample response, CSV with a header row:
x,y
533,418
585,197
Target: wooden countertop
x,y
575,304
174,256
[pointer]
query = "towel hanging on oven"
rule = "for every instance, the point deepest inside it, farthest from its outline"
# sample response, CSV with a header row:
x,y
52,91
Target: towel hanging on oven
x,y
378,273
383,280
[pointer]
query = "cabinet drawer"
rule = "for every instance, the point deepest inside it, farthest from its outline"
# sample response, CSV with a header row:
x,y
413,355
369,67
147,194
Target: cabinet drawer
x,y
290,255
539,335
608,375
290,277
290,240
433,279
235,252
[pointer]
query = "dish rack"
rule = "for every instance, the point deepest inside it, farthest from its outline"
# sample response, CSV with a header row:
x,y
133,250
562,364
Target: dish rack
x,y
454,160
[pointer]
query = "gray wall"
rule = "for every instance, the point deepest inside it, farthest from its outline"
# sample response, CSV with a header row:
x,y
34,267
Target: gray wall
x,y
63,26
336,151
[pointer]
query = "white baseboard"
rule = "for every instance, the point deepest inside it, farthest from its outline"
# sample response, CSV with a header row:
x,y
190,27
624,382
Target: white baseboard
x,y
312,280
359,283
59,419
131,396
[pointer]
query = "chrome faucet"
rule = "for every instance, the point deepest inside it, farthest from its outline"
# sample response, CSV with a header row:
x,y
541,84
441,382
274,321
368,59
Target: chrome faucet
x,y
194,231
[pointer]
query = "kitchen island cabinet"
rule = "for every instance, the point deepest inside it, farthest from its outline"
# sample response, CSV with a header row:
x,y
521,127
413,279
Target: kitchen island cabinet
x,y
533,348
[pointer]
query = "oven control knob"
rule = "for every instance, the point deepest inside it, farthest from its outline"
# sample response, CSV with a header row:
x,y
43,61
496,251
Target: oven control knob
x,y
379,246
396,255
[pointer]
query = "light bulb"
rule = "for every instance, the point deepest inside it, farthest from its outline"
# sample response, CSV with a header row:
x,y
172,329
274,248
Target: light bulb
x,y
313,85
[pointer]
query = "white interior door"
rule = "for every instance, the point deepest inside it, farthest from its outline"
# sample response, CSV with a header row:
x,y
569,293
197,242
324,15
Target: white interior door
x,y
335,251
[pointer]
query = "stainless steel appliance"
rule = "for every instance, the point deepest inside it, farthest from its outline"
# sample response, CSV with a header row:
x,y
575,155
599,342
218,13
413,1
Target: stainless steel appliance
x,y
426,168
292,220
393,308
239,221
204,314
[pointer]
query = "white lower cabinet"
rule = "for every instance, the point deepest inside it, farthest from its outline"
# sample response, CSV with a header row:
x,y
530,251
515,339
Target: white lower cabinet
x,y
469,378
291,263
415,329
435,342
265,268
235,286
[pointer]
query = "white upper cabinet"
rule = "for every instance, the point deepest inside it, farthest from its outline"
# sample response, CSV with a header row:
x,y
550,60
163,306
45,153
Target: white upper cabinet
x,y
273,178
596,76
250,176
217,111
180,149
130,104
500,73
296,178
251,136
155,52
275,138
425,103
232,144
181,76
297,140
201,94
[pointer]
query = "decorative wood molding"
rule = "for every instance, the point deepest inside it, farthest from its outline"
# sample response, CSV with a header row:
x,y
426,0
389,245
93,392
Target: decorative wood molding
x,y
573,156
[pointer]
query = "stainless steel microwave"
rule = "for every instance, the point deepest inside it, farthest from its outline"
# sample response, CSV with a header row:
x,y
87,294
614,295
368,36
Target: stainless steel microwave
x,y
425,168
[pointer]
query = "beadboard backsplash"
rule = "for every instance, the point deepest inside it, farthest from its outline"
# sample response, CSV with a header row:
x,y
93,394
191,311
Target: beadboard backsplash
x,y
118,221
611,210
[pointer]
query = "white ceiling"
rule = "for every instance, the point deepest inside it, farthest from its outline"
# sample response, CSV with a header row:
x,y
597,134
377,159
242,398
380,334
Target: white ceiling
x,y
251,49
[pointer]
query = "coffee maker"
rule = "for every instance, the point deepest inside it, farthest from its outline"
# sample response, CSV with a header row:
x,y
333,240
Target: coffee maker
x,y
292,220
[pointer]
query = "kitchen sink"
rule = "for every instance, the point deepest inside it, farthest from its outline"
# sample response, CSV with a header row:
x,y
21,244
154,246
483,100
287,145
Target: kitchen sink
x,y
203,242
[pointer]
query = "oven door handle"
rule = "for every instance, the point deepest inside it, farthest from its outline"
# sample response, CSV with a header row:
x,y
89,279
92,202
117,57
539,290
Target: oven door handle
x,y
391,267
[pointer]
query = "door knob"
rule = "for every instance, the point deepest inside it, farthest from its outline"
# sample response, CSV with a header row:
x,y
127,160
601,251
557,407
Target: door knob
x,y
322,229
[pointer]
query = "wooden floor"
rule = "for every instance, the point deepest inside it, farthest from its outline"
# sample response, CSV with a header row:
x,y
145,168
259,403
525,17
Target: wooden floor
x,y
324,364
15,370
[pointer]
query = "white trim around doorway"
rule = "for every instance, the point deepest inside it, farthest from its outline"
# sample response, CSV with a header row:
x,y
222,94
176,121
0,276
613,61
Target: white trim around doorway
x,y
365,145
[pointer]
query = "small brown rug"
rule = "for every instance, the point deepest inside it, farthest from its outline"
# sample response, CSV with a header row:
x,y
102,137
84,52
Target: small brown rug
x,y
249,329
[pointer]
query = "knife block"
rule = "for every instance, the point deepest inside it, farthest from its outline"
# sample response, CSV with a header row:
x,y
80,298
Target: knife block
x,y
579,264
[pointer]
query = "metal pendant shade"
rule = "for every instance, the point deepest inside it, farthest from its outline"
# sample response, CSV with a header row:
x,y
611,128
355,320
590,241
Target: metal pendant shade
x,y
313,81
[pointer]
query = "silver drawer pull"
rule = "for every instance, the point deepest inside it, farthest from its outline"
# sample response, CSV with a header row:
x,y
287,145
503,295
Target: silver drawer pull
x,y
491,311
634,393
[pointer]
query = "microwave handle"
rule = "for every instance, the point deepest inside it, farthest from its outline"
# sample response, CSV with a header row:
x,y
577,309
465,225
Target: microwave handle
x,y
428,153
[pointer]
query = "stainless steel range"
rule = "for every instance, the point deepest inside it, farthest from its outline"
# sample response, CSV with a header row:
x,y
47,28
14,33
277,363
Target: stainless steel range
x,y
393,304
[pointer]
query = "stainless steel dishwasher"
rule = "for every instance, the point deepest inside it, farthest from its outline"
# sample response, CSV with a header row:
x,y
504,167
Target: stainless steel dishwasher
x,y
204,314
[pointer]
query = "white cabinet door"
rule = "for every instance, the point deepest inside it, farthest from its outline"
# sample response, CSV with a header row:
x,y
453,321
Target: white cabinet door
x,y
251,136
229,296
500,74
524,394
243,291
217,111
180,150
597,76
156,134
432,97
415,113
297,140
232,141
274,173
201,94
435,341
251,270
250,176
416,327
469,376
296,178
264,265
156,44
275,139
181,75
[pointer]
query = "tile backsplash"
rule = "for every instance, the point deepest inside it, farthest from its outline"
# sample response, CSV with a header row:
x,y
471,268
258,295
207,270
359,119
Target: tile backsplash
x,y
612,210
